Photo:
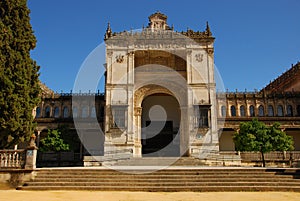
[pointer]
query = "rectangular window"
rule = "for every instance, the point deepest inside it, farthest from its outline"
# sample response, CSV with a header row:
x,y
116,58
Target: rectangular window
x,y
119,117
202,116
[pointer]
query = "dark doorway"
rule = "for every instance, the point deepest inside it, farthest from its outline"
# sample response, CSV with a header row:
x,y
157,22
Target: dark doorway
x,y
160,126
158,140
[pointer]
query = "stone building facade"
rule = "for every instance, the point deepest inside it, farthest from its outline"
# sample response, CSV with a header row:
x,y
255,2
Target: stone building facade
x,y
279,102
159,68
159,71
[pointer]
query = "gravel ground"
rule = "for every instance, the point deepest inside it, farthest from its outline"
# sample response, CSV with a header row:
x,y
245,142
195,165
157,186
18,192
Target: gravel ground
x,y
13,195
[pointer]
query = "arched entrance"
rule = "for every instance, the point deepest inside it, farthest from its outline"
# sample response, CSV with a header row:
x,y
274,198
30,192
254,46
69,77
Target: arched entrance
x,y
160,122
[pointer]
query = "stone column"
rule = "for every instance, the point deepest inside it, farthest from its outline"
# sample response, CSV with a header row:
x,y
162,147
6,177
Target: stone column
x,y
130,96
130,116
137,152
185,149
31,154
188,66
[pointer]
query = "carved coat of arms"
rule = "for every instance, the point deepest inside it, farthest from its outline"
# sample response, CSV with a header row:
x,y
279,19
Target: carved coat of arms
x,y
120,58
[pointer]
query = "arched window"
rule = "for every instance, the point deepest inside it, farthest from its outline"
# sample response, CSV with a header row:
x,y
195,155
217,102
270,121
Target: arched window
x,y
270,111
84,112
252,111
298,110
56,112
261,111
66,112
223,111
75,112
47,112
279,110
242,111
233,111
93,112
38,112
289,111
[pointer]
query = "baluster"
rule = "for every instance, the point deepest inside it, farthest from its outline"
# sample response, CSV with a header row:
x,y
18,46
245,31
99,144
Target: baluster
x,y
12,159
6,160
1,160
9,160
15,161
18,159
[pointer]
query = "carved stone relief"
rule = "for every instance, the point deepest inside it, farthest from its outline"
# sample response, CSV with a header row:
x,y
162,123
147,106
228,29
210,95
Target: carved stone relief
x,y
109,53
210,51
120,58
199,57
137,111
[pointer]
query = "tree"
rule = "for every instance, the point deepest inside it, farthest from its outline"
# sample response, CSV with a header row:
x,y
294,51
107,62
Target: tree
x,y
256,136
70,137
53,142
19,74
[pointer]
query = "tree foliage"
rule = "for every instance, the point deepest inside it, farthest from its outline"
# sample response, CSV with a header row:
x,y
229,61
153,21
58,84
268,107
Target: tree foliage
x,y
19,74
53,142
256,136
70,137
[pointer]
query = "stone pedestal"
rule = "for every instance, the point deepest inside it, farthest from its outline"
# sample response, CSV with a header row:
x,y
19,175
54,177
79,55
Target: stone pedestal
x,y
31,154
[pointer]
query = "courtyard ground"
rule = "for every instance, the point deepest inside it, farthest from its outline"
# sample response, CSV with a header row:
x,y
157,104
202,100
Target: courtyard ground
x,y
13,195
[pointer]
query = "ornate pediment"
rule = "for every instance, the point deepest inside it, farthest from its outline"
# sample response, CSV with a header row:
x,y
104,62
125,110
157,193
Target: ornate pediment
x,y
158,21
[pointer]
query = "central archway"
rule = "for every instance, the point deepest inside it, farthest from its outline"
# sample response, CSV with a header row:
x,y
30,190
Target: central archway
x,y
160,122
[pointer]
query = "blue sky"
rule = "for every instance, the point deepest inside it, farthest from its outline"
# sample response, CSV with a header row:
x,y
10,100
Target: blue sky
x,y
256,41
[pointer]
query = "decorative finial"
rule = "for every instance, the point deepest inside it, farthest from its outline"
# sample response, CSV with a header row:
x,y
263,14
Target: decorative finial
x,y
108,33
32,142
157,21
208,32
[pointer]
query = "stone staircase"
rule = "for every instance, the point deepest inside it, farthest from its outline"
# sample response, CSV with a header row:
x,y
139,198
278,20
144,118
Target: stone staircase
x,y
161,161
172,179
219,160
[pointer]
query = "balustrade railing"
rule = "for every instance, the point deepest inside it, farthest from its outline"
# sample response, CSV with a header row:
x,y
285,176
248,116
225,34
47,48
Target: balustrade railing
x,y
12,158
271,156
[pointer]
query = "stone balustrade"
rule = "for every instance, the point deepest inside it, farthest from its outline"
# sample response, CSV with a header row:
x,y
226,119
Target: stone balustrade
x,y
12,158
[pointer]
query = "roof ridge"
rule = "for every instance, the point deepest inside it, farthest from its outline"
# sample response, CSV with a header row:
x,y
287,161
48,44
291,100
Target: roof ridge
x,y
283,77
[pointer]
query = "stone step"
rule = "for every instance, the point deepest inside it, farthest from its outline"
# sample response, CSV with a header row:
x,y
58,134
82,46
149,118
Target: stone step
x,y
52,180
166,188
170,179
162,183
160,161
175,175
172,169
164,171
